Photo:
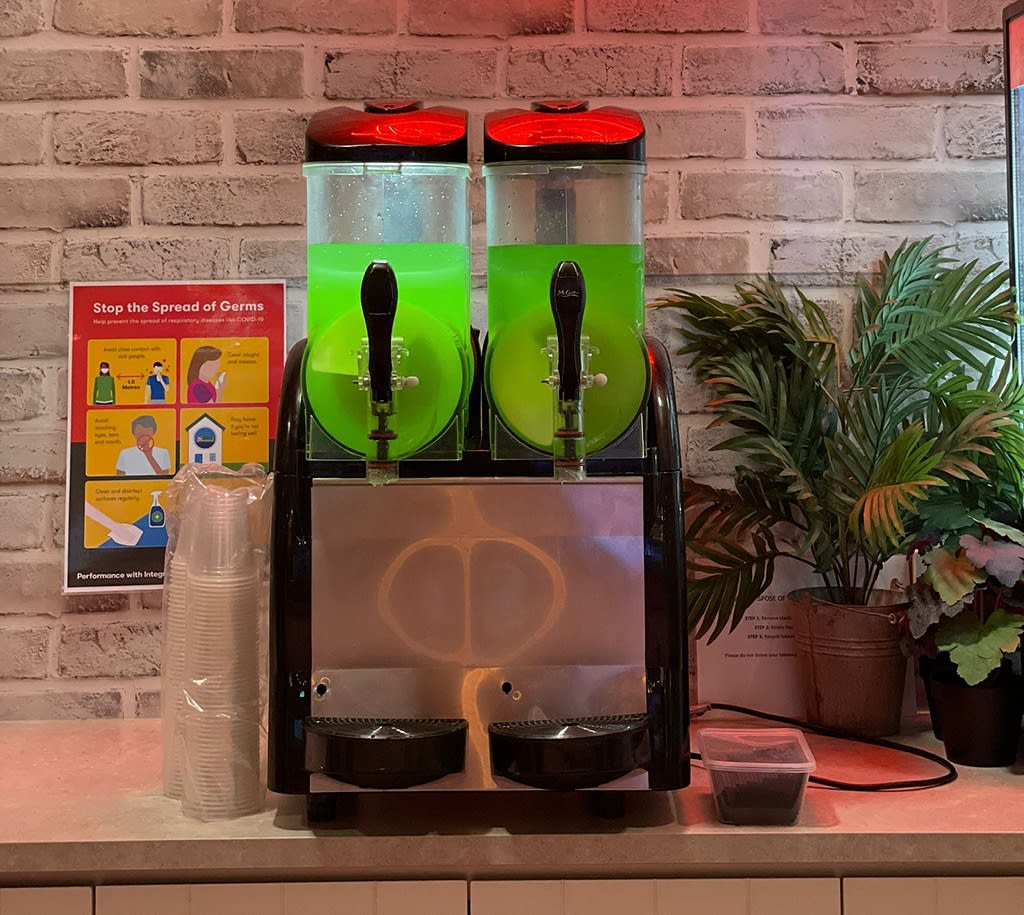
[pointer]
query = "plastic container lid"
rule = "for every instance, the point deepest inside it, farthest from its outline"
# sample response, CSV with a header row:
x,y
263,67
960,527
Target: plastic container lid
x,y
388,130
755,749
563,130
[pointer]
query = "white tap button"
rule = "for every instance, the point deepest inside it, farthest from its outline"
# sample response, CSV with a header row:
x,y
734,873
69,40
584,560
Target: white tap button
x,y
600,380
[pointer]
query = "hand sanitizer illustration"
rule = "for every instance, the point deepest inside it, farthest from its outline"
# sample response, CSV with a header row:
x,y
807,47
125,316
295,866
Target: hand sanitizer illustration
x,y
156,512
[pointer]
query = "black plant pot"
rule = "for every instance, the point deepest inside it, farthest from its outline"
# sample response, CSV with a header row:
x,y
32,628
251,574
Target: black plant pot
x,y
979,725
926,667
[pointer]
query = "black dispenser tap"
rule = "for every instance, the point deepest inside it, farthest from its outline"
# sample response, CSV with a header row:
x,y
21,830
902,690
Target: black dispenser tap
x,y
568,298
379,298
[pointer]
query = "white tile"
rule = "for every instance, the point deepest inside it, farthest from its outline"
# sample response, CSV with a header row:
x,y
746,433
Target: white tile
x,y
702,897
46,900
516,897
796,896
236,899
142,900
890,896
990,895
427,897
328,898
609,897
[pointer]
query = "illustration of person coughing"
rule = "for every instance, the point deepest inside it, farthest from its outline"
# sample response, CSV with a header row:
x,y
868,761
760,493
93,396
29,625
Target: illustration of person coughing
x,y
104,388
205,379
157,384
143,459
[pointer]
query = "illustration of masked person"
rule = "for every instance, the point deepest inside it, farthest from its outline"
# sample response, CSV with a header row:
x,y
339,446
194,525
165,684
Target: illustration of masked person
x,y
157,384
104,388
205,379
143,459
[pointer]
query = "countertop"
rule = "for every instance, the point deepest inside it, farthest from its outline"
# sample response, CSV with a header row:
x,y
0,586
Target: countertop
x,y
80,802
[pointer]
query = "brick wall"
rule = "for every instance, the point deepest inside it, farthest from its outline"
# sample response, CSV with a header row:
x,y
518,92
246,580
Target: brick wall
x,y
161,140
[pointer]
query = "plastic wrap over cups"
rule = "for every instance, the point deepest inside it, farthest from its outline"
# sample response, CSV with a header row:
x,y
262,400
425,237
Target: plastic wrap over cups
x,y
215,605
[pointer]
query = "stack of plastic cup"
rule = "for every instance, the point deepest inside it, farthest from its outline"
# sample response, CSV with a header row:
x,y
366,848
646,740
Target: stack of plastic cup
x,y
220,715
172,692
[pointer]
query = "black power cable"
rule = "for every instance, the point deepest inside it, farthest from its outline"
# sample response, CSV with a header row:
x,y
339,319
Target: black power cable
x,y
949,776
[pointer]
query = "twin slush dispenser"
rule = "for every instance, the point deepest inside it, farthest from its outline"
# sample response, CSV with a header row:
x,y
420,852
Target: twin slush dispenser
x,y
507,612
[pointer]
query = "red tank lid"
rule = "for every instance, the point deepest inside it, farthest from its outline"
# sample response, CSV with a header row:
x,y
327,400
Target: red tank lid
x,y
388,130
563,129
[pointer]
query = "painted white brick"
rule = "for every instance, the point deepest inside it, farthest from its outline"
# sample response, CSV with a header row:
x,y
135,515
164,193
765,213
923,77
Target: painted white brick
x,y
21,17
21,139
352,17
188,200
243,73
21,394
947,197
697,254
763,70
130,138
363,73
63,203
975,15
38,74
273,257
49,704
111,259
110,650
719,133
23,262
667,15
270,137
762,195
847,132
845,17
23,653
131,17
891,68
975,132
28,457
565,71
30,583
837,258
22,517
500,20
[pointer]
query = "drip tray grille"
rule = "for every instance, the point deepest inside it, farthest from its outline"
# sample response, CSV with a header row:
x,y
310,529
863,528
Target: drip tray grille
x,y
383,753
565,754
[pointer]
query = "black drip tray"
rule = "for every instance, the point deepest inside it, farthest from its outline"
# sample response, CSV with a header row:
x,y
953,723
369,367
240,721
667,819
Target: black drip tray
x,y
385,752
565,754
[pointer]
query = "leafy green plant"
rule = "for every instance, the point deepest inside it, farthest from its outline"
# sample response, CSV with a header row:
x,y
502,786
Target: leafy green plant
x,y
969,600
847,457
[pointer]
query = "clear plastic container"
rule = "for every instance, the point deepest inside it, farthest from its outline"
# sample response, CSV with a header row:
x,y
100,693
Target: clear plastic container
x,y
758,775
416,217
538,214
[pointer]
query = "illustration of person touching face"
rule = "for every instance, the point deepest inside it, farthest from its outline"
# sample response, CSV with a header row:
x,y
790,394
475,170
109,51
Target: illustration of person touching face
x,y
143,459
157,384
205,379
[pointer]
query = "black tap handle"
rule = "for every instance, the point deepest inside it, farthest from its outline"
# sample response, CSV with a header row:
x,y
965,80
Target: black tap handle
x,y
379,298
568,297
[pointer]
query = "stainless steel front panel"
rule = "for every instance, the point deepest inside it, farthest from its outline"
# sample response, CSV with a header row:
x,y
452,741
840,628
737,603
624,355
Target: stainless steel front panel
x,y
492,600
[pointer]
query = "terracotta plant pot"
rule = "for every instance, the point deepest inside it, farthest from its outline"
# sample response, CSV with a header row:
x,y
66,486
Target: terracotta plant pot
x,y
851,666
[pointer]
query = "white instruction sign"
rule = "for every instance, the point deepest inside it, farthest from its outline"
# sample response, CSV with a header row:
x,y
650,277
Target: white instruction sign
x,y
756,664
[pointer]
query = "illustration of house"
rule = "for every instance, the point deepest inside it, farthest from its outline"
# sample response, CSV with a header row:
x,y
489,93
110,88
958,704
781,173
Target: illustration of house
x,y
204,439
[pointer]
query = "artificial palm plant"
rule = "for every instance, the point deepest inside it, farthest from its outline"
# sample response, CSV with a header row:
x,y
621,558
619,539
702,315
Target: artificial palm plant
x,y
848,456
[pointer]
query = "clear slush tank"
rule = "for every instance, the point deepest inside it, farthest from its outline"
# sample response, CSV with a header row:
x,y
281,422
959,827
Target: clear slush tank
x,y
415,216
540,213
